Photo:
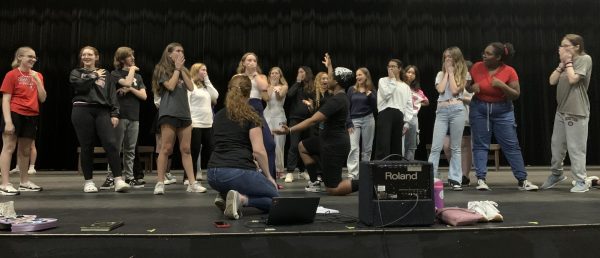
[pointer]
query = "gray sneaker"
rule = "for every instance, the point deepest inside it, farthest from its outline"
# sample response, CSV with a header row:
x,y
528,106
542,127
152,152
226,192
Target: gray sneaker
x,y
553,180
220,202
580,187
170,179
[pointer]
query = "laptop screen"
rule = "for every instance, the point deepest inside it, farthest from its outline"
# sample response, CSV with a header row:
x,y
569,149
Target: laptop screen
x,y
293,210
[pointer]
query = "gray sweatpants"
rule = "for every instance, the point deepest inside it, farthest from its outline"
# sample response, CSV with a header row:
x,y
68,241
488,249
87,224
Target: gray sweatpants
x,y
570,134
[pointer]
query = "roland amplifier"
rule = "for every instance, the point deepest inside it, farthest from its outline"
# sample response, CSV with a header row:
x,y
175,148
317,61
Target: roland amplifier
x,y
396,193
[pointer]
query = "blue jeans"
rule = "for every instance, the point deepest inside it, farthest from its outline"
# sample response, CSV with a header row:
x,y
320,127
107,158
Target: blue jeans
x,y
411,138
448,117
364,127
498,118
250,183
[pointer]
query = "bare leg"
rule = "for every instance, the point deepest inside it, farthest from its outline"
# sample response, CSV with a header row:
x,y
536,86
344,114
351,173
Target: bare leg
x,y
185,137
8,148
167,139
343,188
24,150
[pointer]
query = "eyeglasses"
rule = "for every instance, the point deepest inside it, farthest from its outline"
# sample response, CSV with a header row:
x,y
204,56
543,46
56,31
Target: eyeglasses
x,y
30,56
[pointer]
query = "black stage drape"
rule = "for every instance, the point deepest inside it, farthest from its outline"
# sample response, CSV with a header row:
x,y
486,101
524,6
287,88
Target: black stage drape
x,y
293,33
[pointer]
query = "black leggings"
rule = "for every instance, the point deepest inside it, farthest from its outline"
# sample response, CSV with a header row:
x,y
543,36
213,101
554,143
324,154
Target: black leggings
x,y
201,141
88,122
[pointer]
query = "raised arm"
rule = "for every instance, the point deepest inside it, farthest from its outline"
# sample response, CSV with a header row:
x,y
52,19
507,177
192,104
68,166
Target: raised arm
x,y
212,91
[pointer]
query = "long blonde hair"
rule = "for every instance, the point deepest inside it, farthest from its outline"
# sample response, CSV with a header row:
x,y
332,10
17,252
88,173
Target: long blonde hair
x,y
282,80
460,67
20,51
242,69
236,102
319,88
194,70
165,68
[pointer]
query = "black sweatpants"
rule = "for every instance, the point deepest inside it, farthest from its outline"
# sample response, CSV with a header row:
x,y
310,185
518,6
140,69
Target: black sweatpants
x,y
88,122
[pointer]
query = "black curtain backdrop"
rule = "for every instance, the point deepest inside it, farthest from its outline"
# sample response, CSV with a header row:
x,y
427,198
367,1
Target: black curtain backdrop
x,y
289,34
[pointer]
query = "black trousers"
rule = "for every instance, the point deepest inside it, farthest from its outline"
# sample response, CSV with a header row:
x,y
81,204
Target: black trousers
x,y
388,133
88,122
202,141
293,157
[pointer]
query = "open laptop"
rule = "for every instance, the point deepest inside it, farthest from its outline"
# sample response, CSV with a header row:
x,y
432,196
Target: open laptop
x,y
293,210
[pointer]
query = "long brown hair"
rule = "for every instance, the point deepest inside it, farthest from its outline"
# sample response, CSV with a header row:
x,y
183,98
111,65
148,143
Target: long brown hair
x,y
165,68
308,83
236,102
242,69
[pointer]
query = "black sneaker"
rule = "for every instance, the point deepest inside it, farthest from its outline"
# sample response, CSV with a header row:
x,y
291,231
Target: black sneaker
x,y
465,181
108,183
454,185
136,183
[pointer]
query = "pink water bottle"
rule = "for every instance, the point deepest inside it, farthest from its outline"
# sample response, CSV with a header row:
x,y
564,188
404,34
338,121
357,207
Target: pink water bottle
x,y
438,193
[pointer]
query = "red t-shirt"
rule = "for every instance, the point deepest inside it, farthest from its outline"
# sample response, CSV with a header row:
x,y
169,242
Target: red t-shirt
x,y
22,87
487,92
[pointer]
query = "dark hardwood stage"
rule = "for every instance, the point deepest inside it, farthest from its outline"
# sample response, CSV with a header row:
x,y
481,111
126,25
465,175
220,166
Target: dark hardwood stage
x,y
550,223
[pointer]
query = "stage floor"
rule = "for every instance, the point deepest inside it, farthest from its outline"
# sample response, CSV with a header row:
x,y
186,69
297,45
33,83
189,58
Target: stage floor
x,y
181,213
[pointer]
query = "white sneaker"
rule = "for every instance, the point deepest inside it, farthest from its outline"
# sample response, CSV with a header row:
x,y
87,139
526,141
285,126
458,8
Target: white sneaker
x,y
232,205
487,209
481,185
29,187
14,170
31,170
121,186
195,188
527,186
8,190
588,180
187,182
90,188
289,177
159,189
313,187
170,179
304,175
